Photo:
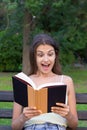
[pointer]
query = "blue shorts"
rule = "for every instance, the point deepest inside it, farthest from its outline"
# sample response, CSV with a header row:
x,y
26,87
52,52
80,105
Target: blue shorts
x,y
45,126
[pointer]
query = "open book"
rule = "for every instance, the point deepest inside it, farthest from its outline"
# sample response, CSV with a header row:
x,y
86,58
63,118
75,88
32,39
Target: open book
x,y
43,97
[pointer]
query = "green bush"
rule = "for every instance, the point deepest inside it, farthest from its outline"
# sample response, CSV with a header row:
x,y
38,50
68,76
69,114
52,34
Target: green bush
x,y
10,52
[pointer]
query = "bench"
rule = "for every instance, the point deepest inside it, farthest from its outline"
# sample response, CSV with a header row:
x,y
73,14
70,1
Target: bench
x,y
7,96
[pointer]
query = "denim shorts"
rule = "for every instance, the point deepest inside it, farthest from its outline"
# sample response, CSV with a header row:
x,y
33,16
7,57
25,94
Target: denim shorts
x,y
45,126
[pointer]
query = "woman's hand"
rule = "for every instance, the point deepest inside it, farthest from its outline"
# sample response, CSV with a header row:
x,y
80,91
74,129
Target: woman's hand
x,y
29,112
61,109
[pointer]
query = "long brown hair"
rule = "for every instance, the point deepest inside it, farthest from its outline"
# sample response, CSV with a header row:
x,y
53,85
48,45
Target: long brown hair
x,y
43,39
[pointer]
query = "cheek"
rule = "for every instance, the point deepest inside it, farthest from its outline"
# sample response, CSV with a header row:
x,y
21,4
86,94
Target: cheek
x,y
38,60
53,59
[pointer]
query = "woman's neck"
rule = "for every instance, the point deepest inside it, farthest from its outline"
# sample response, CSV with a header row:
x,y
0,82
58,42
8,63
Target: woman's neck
x,y
45,75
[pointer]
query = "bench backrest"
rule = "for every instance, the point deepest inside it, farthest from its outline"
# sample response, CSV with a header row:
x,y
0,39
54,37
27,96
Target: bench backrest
x,y
7,96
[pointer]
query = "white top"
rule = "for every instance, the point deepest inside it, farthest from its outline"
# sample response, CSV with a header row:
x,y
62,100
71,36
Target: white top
x,y
48,117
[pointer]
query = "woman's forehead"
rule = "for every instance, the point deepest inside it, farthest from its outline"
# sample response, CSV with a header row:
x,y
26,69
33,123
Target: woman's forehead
x,y
43,47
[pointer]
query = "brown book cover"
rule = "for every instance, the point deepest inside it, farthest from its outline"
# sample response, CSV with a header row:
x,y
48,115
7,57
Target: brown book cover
x,y
43,97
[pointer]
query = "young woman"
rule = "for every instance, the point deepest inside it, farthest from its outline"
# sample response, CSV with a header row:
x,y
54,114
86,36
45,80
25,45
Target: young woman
x,y
45,68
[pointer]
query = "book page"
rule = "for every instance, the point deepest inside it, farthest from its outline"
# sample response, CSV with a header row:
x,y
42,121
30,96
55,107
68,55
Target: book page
x,y
23,77
38,99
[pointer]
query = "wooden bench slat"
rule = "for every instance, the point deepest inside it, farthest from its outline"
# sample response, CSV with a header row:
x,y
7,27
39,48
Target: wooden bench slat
x,y
5,113
5,127
82,115
6,96
81,128
81,98
78,128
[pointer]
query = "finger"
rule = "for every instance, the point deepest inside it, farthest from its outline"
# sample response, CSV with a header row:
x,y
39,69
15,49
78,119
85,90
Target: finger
x,y
27,109
60,112
61,105
31,110
64,110
30,114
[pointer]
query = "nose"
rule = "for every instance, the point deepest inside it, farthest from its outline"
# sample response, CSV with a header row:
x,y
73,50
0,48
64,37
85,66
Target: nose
x,y
46,58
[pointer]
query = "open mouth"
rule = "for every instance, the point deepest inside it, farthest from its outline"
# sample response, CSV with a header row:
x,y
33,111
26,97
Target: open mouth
x,y
45,66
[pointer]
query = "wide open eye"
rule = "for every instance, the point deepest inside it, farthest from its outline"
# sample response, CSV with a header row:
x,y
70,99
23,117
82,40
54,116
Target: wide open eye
x,y
39,54
51,53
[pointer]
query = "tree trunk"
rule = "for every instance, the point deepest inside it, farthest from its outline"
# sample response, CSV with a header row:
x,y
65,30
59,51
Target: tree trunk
x,y
27,28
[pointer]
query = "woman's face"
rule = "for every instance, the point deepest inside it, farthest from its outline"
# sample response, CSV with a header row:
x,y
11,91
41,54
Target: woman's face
x,y
45,58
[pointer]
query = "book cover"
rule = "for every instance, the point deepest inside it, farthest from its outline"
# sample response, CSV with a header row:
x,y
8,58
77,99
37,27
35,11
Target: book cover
x,y
43,97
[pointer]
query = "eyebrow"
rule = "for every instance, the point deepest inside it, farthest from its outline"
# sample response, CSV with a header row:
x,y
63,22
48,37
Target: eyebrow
x,y
48,51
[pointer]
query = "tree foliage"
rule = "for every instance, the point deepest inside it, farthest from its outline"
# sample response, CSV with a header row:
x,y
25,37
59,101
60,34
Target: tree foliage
x,y
66,21
11,37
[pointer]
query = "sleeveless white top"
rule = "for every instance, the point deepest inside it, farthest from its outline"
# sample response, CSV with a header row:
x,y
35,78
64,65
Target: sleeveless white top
x,y
48,117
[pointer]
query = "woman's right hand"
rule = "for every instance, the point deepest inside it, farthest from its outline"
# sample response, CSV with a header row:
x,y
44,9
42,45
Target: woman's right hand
x,y
29,112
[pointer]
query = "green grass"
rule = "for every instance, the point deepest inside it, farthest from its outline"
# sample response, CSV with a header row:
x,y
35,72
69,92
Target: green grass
x,y
6,81
79,77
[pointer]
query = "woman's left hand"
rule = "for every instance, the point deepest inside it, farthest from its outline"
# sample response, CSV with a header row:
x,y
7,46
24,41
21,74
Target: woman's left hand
x,y
61,109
